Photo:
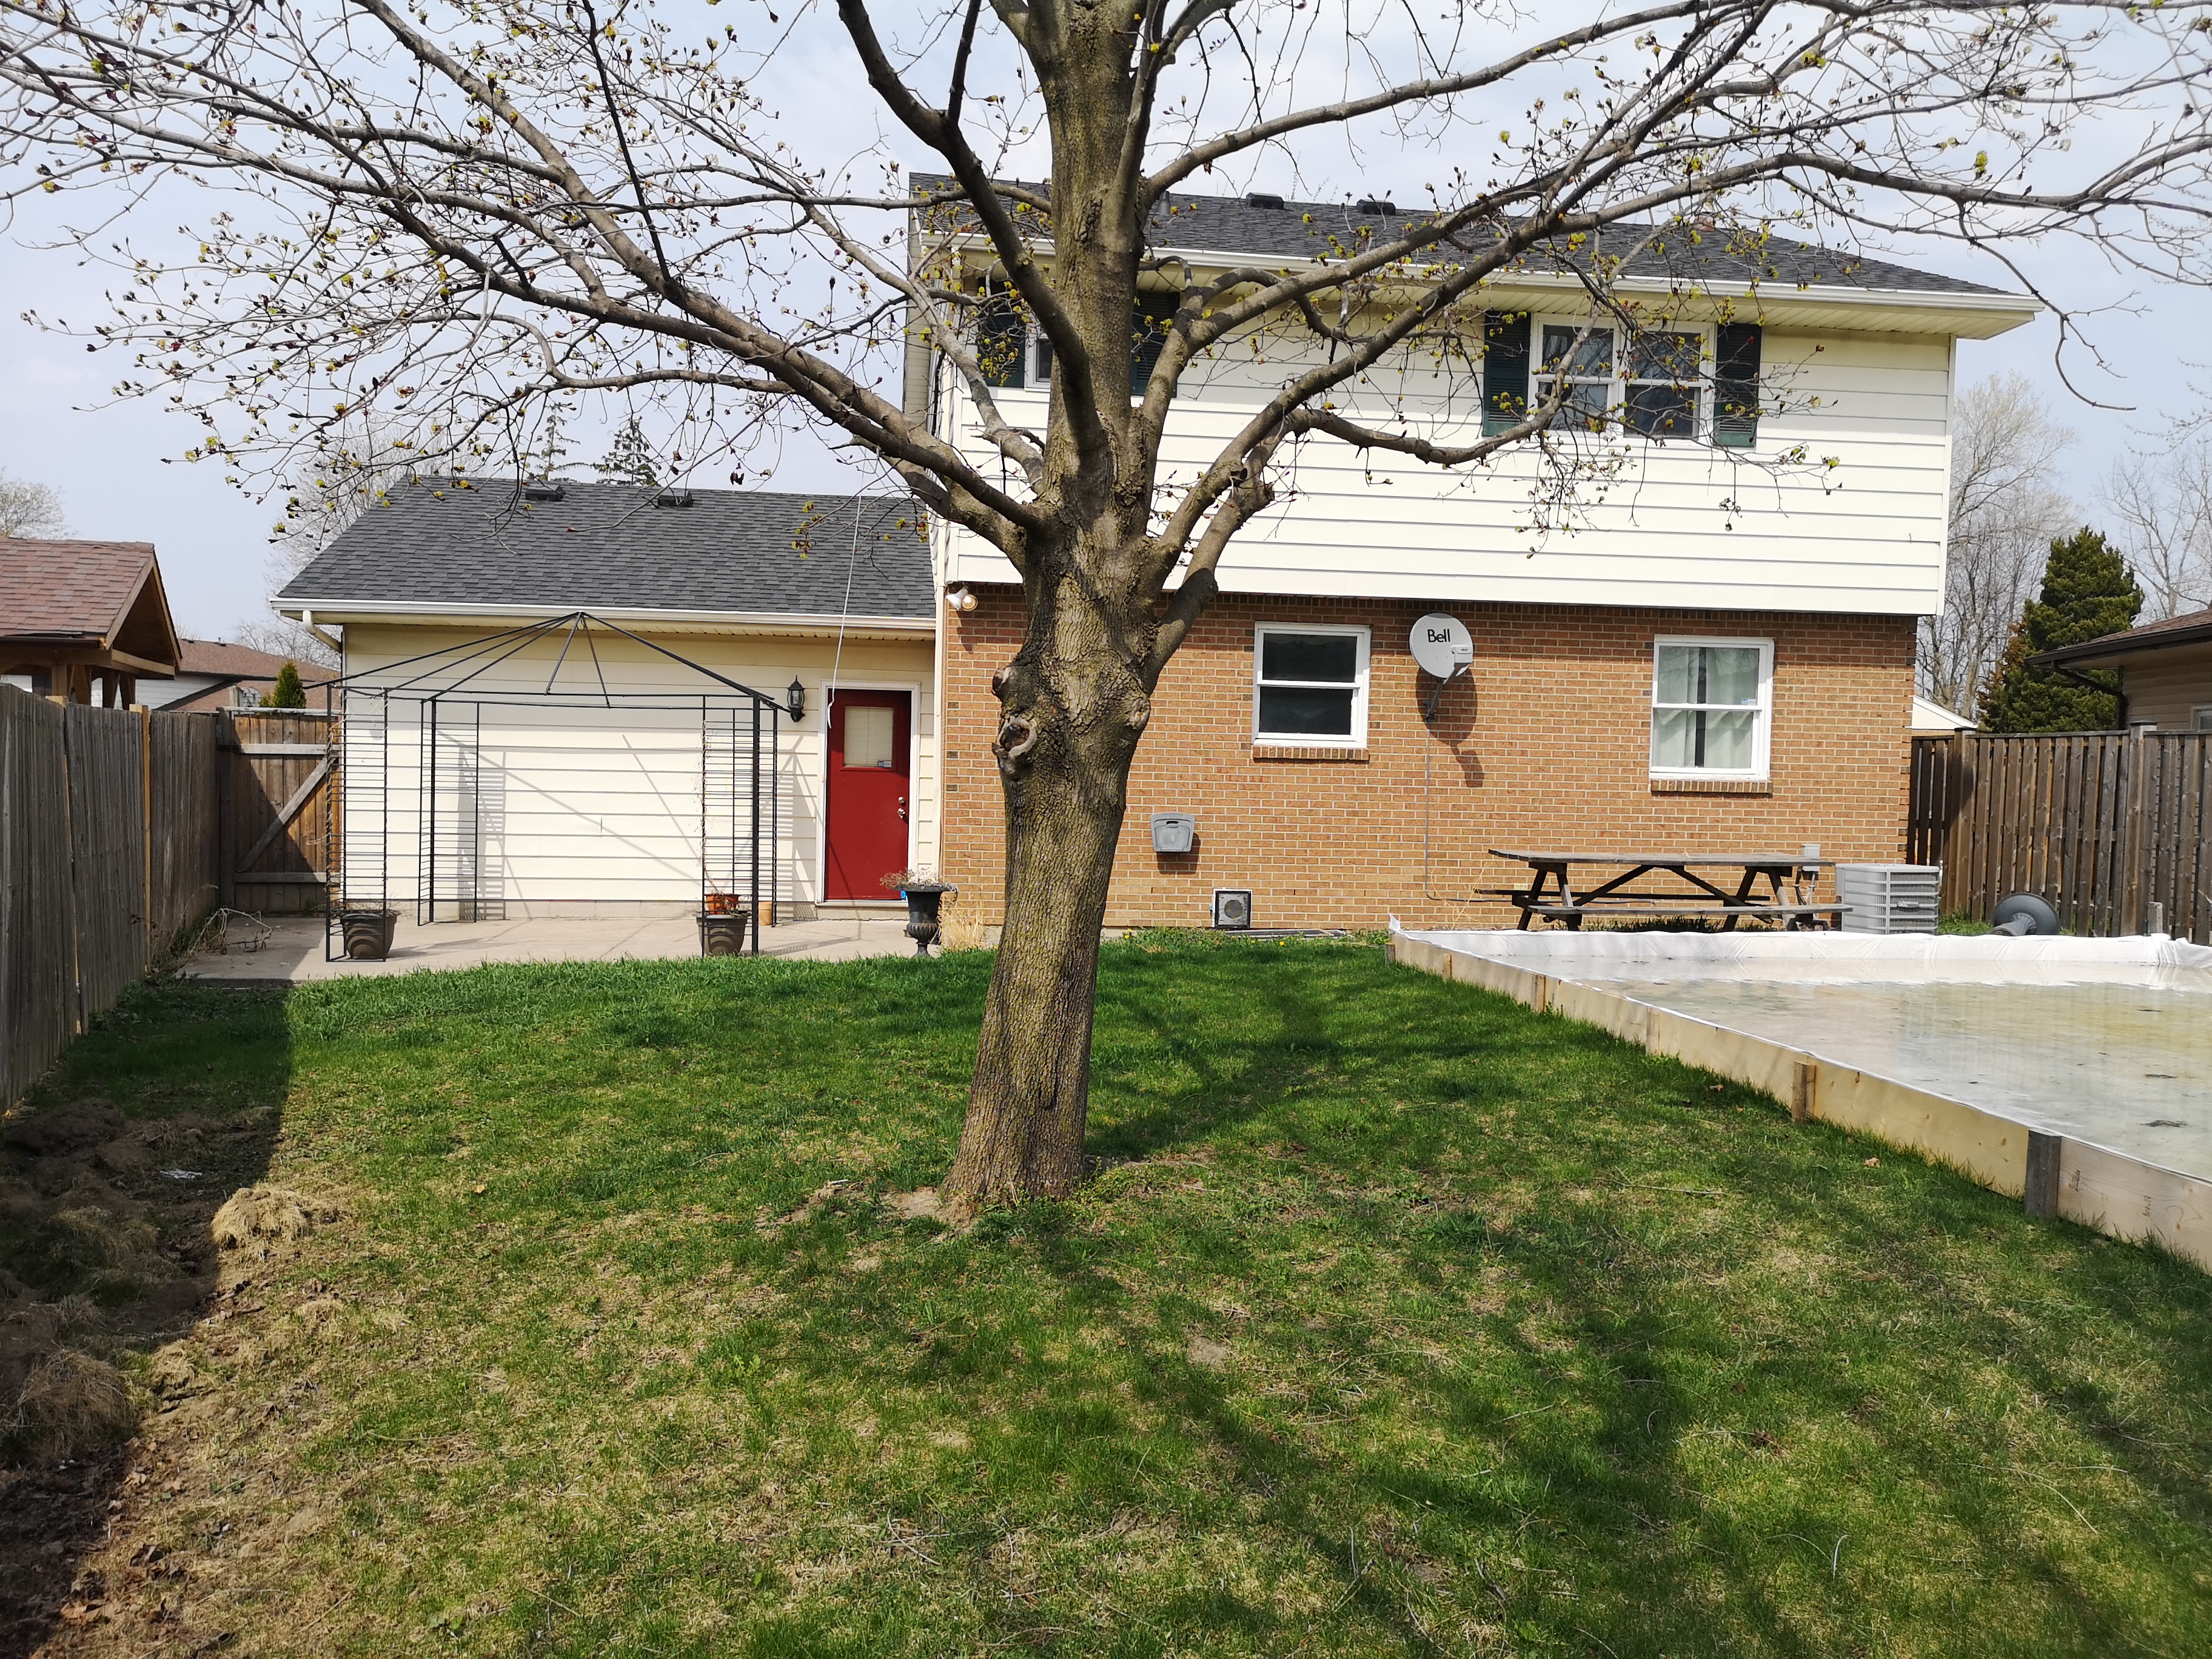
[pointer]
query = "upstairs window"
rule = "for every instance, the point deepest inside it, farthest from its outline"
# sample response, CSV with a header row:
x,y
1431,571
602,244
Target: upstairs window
x,y
1583,359
1653,383
1149,322
1711,704
1310,687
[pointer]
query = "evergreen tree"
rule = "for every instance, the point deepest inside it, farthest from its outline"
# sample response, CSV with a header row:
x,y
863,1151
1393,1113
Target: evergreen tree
x,y
628,458
288,693
2087,592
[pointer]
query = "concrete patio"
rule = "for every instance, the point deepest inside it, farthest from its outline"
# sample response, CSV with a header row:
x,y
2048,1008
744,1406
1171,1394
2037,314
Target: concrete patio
x,y
294,952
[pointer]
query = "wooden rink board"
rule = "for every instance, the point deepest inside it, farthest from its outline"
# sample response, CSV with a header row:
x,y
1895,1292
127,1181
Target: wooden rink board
x,y
2119,1195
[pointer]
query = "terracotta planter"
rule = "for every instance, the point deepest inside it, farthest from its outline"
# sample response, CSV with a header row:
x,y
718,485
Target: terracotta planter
x,y
722,932
368,933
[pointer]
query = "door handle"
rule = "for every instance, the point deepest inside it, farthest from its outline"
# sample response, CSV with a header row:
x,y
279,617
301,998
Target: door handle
x,y
902,809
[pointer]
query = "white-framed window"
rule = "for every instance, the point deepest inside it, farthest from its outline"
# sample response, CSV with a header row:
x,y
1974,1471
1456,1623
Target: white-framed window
x,y
1310,685
1712,706
1655,386
2200,718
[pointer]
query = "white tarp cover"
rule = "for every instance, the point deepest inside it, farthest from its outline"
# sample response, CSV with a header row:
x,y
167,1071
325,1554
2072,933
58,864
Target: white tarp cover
x,y
2107,1040
1839,958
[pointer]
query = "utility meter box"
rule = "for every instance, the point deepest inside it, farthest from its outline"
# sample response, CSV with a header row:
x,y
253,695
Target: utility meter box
x,y
1173,832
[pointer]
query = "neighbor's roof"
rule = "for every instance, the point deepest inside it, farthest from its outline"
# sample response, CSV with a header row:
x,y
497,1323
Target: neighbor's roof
x,y
221,660
1929,715
103,595
442,545
2193,629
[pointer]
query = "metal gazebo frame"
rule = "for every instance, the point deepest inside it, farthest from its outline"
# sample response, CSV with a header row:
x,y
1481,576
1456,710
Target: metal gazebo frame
x,y
734,720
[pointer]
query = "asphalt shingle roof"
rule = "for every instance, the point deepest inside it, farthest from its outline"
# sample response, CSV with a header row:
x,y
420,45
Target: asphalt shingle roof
x,y
608,547
1334,230
68,587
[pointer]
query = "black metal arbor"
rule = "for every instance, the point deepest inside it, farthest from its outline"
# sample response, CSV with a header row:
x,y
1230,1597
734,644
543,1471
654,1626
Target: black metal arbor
x,y
437,700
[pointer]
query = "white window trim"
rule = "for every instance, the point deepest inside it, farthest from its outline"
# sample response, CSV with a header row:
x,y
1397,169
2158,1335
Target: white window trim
x,y
1617,395
2200,717
1358,739
1762,731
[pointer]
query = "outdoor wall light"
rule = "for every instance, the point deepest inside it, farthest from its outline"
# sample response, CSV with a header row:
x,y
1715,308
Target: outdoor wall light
x,y
794,699
962,598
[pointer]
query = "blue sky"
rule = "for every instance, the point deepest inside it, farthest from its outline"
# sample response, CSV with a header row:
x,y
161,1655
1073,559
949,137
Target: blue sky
x,y
120,469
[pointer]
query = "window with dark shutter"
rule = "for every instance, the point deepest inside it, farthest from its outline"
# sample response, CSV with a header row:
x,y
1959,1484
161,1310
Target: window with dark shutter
x,y
1735,385
1504,370
1002,342
1148,332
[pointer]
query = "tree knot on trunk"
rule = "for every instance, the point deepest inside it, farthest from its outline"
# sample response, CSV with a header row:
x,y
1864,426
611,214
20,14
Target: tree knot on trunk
x,y
1016,737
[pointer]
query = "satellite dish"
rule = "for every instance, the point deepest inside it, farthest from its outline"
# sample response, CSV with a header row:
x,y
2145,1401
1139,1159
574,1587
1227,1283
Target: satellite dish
x,y
1442,645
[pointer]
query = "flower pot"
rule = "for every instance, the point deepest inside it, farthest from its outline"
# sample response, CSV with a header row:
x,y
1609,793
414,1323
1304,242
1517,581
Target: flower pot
x,y
722,932
922,898
368,933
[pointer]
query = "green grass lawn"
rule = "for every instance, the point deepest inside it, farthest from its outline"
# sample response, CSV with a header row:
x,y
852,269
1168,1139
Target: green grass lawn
x,y
1411,1322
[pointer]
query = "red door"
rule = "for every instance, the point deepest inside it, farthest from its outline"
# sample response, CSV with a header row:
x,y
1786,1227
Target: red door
x,y
871,788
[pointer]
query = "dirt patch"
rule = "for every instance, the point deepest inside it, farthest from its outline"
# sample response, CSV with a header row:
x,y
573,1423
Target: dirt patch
x,y
106,1248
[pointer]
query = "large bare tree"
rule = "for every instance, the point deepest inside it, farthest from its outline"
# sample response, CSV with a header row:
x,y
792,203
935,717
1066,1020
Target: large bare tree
x,y
2162,503
464,216
2005,506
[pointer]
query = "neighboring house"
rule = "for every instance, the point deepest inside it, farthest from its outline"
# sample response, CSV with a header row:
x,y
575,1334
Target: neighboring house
x,y
213,674
1931,717
555,806
1719,657
2164,669
86,621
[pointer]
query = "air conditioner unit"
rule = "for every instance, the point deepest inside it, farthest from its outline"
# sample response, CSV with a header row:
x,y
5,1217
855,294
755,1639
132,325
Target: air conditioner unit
x,y
1890,899
1232,907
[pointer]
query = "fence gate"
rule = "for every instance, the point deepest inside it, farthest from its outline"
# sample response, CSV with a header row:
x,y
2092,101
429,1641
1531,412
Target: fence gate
x,y
277,806
2108,826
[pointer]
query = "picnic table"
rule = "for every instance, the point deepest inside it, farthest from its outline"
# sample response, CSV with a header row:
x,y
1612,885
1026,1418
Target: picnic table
x,y
1553,894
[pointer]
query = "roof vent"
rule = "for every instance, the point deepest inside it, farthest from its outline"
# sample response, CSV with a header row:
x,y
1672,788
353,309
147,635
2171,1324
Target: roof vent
x,y
1260,198
672,498
543,489
1375,205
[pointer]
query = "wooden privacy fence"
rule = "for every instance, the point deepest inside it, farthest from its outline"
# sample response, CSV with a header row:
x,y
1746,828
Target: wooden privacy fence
x,y
107,852
2108,826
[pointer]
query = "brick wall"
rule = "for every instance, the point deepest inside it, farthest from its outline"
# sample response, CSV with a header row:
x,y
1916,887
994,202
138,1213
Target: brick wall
x,y
1550,748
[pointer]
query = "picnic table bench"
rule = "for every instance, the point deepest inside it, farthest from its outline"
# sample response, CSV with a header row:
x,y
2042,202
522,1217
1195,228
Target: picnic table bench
x,y
1551,892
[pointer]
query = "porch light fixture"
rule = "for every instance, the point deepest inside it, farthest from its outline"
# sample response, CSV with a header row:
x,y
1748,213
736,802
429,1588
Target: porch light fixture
x,y
794,699
961,599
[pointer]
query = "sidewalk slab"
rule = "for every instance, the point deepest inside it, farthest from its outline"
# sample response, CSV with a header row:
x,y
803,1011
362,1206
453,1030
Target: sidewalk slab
x,y
293,954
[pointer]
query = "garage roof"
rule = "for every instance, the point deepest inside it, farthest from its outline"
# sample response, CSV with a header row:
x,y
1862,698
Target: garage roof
x,y
437,544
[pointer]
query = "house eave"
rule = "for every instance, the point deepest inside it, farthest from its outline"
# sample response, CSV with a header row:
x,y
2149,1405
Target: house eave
x,y
790,624
1902,311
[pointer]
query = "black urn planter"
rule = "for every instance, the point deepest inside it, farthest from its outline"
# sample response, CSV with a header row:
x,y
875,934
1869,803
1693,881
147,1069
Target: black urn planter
x,y
722,932
368,933
922,898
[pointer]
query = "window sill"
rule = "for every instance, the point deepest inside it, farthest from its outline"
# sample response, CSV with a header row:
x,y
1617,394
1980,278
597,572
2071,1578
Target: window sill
x,y
1712,786
1283,751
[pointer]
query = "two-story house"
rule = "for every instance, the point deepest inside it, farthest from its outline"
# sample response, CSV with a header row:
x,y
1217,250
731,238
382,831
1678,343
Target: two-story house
x,y
1715,654
1712,652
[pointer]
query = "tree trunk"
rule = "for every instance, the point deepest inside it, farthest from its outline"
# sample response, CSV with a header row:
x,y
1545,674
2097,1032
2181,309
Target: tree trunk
x,y
1072,711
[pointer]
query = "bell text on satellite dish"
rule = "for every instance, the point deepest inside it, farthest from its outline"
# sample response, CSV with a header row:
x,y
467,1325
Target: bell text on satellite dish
x,y
1442,645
